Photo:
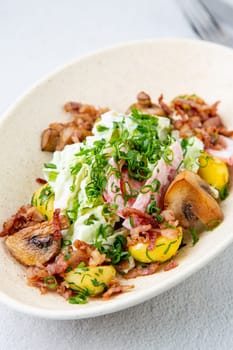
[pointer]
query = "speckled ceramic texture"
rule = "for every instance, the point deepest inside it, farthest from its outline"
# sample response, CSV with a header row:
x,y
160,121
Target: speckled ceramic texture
x,y
111,78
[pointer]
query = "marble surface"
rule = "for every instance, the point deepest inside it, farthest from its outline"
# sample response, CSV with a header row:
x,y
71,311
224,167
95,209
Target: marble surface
x,y
35,38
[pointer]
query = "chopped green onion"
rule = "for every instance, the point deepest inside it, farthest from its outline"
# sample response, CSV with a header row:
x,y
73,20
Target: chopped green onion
x,y
90,221
67,256
224,192
169,246
78,299
96,283
81,265
101,128
50,166
52,175
50,282
66,243
194,235
74,170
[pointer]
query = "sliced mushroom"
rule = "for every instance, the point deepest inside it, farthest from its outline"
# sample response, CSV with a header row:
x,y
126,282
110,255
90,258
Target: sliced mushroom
x,y
145,105
49,140
188,196
71,133
36,245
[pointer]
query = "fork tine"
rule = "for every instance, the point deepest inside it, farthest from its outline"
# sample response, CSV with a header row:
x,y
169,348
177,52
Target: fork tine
x,y
202,21
214,27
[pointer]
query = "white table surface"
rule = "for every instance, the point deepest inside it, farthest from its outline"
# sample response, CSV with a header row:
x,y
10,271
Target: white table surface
x,y
35,38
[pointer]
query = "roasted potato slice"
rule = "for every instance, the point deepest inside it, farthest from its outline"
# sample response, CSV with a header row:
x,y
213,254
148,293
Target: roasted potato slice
x,y
214,171
165,249
92,280
43,200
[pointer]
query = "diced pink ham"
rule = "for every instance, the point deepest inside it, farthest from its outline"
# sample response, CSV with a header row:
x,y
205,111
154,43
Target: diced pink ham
x,y
115,189
134,184
226,153
164,173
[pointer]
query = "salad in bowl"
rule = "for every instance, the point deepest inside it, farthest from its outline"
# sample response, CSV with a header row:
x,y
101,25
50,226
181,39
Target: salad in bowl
x,y
121,194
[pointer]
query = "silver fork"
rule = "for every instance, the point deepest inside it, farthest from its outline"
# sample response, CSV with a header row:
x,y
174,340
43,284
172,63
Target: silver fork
x,y
204,23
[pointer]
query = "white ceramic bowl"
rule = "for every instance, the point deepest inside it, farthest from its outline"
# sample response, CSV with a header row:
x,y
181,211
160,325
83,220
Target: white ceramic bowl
x,y
111,78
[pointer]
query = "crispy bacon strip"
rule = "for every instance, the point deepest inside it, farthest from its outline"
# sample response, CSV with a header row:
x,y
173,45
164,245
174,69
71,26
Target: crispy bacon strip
x,y
64,290
170,233
127,212
152,238
41,181
57,226
171,265
143,234
164,106
71,258
169,217
134,232
226,151
163,173
116,288
142,271
24,217
84,253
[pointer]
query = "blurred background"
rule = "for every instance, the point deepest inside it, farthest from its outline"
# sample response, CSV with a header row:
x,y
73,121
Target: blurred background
x,y
37,37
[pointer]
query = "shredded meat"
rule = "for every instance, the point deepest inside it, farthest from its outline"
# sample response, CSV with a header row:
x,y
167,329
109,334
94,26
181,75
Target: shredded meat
x,y
148,234
96,258
142,271
58,135
169,217
35,272
139,229
58,266
36,276
116,288
170,233
25,216
84,252
190,115
147,219
198,119
164,106
142,234
64,290
152,238
171,265
57,225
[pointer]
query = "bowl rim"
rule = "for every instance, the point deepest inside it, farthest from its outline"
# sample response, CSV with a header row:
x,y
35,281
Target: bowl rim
x,y
98,310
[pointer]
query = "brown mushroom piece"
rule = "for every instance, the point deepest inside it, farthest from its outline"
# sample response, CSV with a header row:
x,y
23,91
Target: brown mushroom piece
x,y
35,245
145,105
189,197
49,140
